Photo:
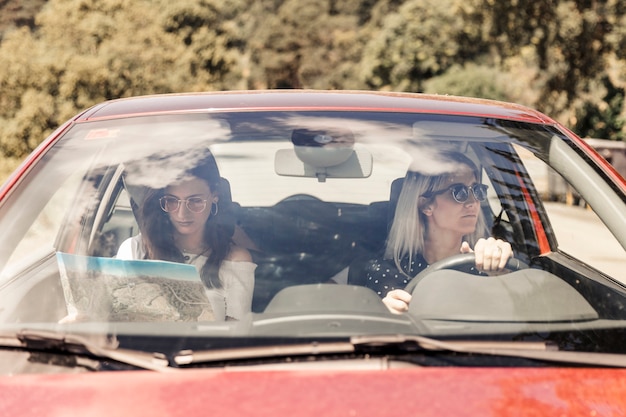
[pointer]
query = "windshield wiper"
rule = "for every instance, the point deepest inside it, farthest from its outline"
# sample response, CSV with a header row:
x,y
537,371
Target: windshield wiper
x,y
188,357
106,347
542,351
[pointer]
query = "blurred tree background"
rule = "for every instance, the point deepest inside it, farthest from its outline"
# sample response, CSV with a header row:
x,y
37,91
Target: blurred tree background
x,y
58,57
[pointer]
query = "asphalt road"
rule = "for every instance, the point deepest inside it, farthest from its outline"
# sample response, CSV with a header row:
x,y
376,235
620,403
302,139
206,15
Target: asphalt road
x,y
581,233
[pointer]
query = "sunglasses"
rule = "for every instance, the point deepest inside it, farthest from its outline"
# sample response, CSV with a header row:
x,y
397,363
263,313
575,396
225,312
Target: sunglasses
x,y
461,192
170,204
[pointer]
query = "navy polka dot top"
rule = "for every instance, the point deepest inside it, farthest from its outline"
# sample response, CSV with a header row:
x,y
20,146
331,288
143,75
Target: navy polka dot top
x,y
382,275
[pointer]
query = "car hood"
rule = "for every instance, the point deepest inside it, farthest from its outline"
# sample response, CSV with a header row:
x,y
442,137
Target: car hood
x,y
429,391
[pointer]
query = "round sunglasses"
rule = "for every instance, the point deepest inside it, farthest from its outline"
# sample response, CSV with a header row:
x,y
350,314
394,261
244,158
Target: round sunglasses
x,y
461,192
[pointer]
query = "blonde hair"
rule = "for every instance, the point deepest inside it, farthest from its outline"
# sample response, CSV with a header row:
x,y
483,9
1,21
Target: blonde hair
x,y
406,236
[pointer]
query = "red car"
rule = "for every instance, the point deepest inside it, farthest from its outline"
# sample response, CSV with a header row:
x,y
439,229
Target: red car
x,y
312,253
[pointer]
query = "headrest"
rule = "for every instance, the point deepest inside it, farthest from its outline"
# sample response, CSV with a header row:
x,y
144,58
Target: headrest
x,y
394,194
323,148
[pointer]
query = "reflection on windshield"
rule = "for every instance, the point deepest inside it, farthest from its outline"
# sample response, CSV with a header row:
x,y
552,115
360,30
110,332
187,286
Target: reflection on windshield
x,y
317,249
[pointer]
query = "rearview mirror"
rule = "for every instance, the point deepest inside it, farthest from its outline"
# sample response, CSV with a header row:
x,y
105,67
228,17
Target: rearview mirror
x,y
323,154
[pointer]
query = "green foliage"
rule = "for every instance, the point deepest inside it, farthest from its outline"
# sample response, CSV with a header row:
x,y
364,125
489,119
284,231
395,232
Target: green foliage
x,y
566,58
603,120
421,40
473,81
16,13
305,44
571,42
88,51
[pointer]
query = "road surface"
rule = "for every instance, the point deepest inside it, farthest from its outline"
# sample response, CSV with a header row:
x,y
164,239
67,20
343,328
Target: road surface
x,y
581,233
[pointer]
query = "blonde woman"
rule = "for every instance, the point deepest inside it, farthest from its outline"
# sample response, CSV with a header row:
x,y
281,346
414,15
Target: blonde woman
x,y
437,216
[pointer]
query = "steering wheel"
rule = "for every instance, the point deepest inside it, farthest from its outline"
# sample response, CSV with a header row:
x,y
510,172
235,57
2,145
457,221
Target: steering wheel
x,y
457,262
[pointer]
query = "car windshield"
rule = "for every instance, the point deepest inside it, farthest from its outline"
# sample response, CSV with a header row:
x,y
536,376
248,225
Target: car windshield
x,y
107,233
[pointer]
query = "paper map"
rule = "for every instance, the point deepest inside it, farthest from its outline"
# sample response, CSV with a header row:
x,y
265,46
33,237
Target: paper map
x,y
108,289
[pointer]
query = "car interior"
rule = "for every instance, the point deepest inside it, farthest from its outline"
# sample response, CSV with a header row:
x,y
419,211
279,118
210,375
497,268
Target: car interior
x,y
300,240
304,245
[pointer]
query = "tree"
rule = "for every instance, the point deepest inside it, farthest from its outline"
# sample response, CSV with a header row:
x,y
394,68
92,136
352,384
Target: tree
x,y
308,44
420,40
603,120
573,43
564,57
473,80
87,51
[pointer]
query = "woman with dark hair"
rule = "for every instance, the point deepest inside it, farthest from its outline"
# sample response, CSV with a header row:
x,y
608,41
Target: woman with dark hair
x,y
438,215
190,221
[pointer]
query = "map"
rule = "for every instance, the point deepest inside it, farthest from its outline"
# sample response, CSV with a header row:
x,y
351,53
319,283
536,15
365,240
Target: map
x,y
109,289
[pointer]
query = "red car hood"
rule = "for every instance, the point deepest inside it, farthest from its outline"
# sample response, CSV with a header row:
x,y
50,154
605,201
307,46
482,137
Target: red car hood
x,y
425,392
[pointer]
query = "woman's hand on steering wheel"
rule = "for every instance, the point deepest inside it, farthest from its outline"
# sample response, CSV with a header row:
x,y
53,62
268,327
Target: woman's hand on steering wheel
x,y
460,261
397,301
491,254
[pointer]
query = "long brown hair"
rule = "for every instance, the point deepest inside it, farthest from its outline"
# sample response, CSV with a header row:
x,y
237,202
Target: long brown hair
x,y
158,231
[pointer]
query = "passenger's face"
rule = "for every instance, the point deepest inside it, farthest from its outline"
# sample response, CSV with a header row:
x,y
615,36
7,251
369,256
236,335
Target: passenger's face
x,y
185,221
446,214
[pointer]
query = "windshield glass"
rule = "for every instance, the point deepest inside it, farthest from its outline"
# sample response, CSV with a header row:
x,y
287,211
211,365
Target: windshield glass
x,y
298,224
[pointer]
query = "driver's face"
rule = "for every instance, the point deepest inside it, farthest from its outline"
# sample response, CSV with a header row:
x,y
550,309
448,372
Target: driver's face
x,y
447,215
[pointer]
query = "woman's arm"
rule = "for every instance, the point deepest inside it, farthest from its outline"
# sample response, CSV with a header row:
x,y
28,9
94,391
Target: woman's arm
x,y
131,248
237,278
239,254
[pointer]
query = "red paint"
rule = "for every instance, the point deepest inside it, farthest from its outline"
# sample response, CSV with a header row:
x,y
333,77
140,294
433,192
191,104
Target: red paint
x,y
307,100
446,391
423,392
540,231
31,159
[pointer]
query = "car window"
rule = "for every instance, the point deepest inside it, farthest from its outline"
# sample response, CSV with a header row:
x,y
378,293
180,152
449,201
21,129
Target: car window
x,y
41,236
578,230
308,199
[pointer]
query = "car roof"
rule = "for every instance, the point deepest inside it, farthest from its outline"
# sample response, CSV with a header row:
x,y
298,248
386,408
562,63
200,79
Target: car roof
x,y
307,100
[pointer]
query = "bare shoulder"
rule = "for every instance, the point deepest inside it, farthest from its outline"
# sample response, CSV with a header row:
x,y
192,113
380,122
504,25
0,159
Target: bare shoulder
x,y
239,254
